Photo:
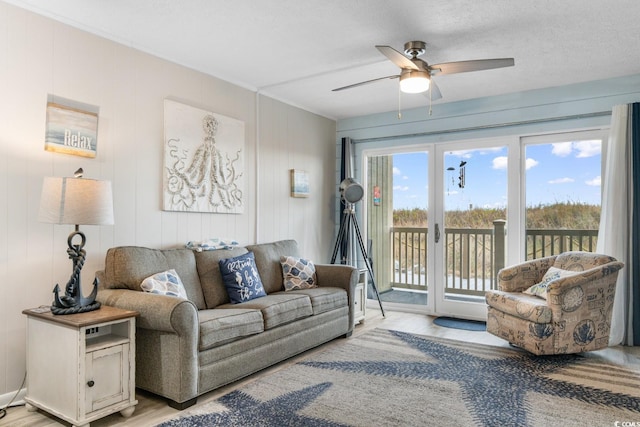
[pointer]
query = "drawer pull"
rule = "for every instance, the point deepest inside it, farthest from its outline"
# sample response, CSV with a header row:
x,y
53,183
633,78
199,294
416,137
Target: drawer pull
x,y
90,383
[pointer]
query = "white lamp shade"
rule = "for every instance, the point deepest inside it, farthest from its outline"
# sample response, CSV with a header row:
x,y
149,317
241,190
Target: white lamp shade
x,y
414,81
76,201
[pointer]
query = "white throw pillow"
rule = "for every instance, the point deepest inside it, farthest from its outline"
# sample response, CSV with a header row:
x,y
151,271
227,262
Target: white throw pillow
x,y
165,283
552,274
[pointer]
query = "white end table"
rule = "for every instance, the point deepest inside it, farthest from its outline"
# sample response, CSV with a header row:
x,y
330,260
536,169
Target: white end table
x,y
81,367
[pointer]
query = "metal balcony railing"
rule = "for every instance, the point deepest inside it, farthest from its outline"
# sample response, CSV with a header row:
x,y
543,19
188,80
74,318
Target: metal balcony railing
x,y
473,256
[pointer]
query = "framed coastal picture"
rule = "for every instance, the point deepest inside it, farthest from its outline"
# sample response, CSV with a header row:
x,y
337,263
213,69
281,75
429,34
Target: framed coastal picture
x,y
72,127
203,160
299,183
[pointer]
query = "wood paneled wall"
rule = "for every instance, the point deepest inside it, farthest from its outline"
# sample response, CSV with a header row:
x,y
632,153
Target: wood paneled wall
x,y
39,56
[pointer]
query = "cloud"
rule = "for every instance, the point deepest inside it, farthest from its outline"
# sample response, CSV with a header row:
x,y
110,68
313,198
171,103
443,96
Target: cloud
x,y
400,188
595,182
562,149
500,162
463,154
405,177
561,181
396,171
588,148
530,163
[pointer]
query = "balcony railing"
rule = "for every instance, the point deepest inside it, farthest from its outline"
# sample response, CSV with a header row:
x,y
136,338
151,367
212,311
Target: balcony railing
x,y
474,256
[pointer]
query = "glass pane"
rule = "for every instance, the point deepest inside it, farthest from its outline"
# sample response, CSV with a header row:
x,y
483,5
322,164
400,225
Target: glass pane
x,y
397,225
475,210
563,197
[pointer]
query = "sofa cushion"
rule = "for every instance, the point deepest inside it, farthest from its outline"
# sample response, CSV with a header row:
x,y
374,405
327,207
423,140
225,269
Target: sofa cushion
x,y
208,266
323,299
268,261
127,266
298,273
184,262
241,278
219,327
165,283
278,309
520,305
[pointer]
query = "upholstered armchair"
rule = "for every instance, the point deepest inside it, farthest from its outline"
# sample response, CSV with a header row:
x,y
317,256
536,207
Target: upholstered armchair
x,y
555,305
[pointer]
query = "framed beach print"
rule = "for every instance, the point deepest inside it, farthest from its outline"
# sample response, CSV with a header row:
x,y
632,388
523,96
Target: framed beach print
x,y
72,127
299,183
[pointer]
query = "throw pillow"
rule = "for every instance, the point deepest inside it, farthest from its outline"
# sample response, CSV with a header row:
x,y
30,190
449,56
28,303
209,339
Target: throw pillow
x,y
241,278
165,283
552,274
298,273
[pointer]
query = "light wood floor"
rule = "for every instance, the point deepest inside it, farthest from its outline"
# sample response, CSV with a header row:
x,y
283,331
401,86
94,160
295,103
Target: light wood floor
x,y
152,410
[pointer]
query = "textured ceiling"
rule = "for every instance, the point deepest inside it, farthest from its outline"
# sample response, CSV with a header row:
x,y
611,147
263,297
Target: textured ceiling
x,y
298,50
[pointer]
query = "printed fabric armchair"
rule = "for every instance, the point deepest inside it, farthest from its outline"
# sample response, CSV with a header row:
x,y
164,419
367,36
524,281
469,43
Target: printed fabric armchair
x,y
555,305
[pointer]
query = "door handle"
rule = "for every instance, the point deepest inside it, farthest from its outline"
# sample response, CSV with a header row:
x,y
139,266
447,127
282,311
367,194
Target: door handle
x,y
437,233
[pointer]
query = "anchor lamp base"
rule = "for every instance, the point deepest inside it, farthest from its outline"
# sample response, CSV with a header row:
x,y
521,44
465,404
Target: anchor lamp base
x,y
75,309
73,301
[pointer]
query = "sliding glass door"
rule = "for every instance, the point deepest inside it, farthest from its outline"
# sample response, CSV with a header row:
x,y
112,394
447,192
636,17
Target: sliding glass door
x,y
470,214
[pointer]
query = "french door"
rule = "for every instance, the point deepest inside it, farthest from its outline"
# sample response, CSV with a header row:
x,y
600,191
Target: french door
x,y
431,214
469,217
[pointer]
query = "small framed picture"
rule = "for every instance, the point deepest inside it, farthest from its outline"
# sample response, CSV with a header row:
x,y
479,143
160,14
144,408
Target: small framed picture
x,y
72,127
299,183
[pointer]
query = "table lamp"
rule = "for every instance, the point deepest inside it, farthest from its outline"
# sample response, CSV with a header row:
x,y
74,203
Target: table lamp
x,y
76,200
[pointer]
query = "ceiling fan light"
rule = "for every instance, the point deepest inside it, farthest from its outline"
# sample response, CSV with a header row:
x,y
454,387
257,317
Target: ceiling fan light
x,y
414,82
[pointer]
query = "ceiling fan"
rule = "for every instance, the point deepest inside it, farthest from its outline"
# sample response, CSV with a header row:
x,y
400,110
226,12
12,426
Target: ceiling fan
x,y
415,75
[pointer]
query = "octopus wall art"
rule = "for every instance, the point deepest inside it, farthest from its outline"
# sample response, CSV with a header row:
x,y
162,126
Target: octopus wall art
x,y
203,161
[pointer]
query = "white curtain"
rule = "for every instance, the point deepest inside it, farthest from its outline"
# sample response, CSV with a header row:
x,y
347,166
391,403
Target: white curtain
x,y
616,216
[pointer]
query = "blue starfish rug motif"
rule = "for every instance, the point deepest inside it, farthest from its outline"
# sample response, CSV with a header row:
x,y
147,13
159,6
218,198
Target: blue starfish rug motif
x,y
395,378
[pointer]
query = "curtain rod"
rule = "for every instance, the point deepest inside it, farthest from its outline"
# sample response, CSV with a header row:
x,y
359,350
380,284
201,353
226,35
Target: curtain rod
x,y
482,127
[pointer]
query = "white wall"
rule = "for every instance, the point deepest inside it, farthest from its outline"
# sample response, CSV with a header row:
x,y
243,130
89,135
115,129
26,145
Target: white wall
x,y
296,140
39,56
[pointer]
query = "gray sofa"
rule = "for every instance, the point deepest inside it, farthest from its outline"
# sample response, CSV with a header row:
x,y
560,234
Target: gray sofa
x,y
185,348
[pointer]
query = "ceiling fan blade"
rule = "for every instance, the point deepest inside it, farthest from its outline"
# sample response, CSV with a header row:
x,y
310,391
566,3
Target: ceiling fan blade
x,y
473,65
435,92
397,58
365,83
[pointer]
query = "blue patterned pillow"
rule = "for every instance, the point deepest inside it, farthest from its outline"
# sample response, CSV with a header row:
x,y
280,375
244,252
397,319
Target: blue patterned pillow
x,y
165,283
298,273
241,278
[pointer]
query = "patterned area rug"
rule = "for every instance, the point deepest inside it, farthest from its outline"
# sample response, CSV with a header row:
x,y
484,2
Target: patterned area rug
x,y
389,378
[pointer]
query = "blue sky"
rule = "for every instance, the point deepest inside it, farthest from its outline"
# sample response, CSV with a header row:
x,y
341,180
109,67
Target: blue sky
x,y
561,172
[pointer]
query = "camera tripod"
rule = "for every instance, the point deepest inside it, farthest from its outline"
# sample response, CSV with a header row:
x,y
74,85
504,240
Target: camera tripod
x,y
349,220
